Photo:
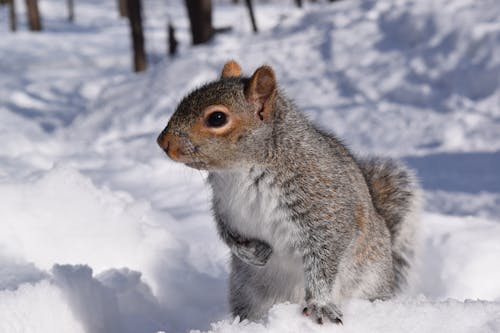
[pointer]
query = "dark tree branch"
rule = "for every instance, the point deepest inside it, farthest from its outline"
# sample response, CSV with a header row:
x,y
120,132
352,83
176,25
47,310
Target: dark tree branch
x,y
12,15
135,19
71,10
252,16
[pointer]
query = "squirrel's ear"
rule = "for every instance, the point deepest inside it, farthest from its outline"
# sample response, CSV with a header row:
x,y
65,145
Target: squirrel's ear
x,y
261,90
231,69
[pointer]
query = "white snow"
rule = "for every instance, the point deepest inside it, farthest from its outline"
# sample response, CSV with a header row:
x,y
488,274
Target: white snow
x,y
100,232
36,308
419,315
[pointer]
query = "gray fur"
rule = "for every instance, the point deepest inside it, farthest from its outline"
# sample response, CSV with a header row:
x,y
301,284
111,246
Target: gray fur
x,y
306,222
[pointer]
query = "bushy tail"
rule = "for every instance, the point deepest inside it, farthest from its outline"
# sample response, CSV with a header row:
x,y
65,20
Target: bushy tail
x,y
396,197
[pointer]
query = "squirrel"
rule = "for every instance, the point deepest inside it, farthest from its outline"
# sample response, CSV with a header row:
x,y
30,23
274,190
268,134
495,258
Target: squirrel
x,y
306,221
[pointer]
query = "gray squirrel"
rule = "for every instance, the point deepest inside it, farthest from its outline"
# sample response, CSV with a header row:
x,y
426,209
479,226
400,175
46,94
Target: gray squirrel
x,y
305,220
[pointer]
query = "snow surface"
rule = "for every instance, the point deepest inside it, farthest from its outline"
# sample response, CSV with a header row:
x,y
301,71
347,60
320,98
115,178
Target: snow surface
x,y
100,232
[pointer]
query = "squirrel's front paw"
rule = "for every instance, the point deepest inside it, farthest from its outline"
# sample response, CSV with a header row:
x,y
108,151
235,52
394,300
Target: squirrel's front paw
x,y
254,252
321,311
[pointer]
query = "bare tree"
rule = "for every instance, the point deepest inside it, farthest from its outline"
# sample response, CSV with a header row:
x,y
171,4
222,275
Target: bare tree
x,y
135,18
12,14
171,40
252,16
71,10
122,8
298,3
33,13
200,17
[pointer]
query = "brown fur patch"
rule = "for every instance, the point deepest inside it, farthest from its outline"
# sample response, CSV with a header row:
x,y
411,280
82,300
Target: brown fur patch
x,y
361,218
171,144
262,90
383,188
231,69
364,250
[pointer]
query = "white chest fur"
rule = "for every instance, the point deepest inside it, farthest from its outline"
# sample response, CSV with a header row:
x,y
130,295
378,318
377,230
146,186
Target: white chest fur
x,y
252,203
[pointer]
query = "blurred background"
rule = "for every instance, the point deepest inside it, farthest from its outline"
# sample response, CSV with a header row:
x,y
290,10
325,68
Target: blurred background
x,y
100,232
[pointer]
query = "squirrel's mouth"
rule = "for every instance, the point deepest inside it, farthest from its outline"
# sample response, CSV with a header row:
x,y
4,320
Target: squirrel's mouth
x,y
197,165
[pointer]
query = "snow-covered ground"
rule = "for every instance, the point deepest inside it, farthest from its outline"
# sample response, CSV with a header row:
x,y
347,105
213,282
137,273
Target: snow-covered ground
x,y
100,232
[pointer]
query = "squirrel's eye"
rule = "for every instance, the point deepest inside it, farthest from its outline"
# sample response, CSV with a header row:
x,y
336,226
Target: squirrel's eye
x,y
217,119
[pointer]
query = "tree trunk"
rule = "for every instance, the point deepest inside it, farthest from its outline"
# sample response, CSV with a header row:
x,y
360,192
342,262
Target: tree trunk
x,y
135,19
34,21
298,3
252,16
71,10
12,15
172,41
200,17
122,8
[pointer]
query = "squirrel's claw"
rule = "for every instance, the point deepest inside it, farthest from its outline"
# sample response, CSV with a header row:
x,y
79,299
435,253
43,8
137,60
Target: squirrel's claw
x,y
254,252
330,311
262,251
306,312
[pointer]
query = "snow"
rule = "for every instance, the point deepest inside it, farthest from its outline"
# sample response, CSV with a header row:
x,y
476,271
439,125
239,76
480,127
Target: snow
x,y
36,308
414,316
100,232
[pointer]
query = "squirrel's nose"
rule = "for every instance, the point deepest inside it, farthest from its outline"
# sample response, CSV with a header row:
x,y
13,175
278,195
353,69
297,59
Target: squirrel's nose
x,y
171,145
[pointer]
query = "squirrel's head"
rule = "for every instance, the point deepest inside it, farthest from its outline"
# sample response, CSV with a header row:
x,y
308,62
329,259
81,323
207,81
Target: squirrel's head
x,y
223,124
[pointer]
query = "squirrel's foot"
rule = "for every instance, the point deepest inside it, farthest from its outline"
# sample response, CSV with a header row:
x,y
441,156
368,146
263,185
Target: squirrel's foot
x,y
254,252
324,311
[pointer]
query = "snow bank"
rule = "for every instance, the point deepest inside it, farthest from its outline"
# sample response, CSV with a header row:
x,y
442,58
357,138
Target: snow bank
x,y
61,217
60,227
392,316
36,308
460,258
114,302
